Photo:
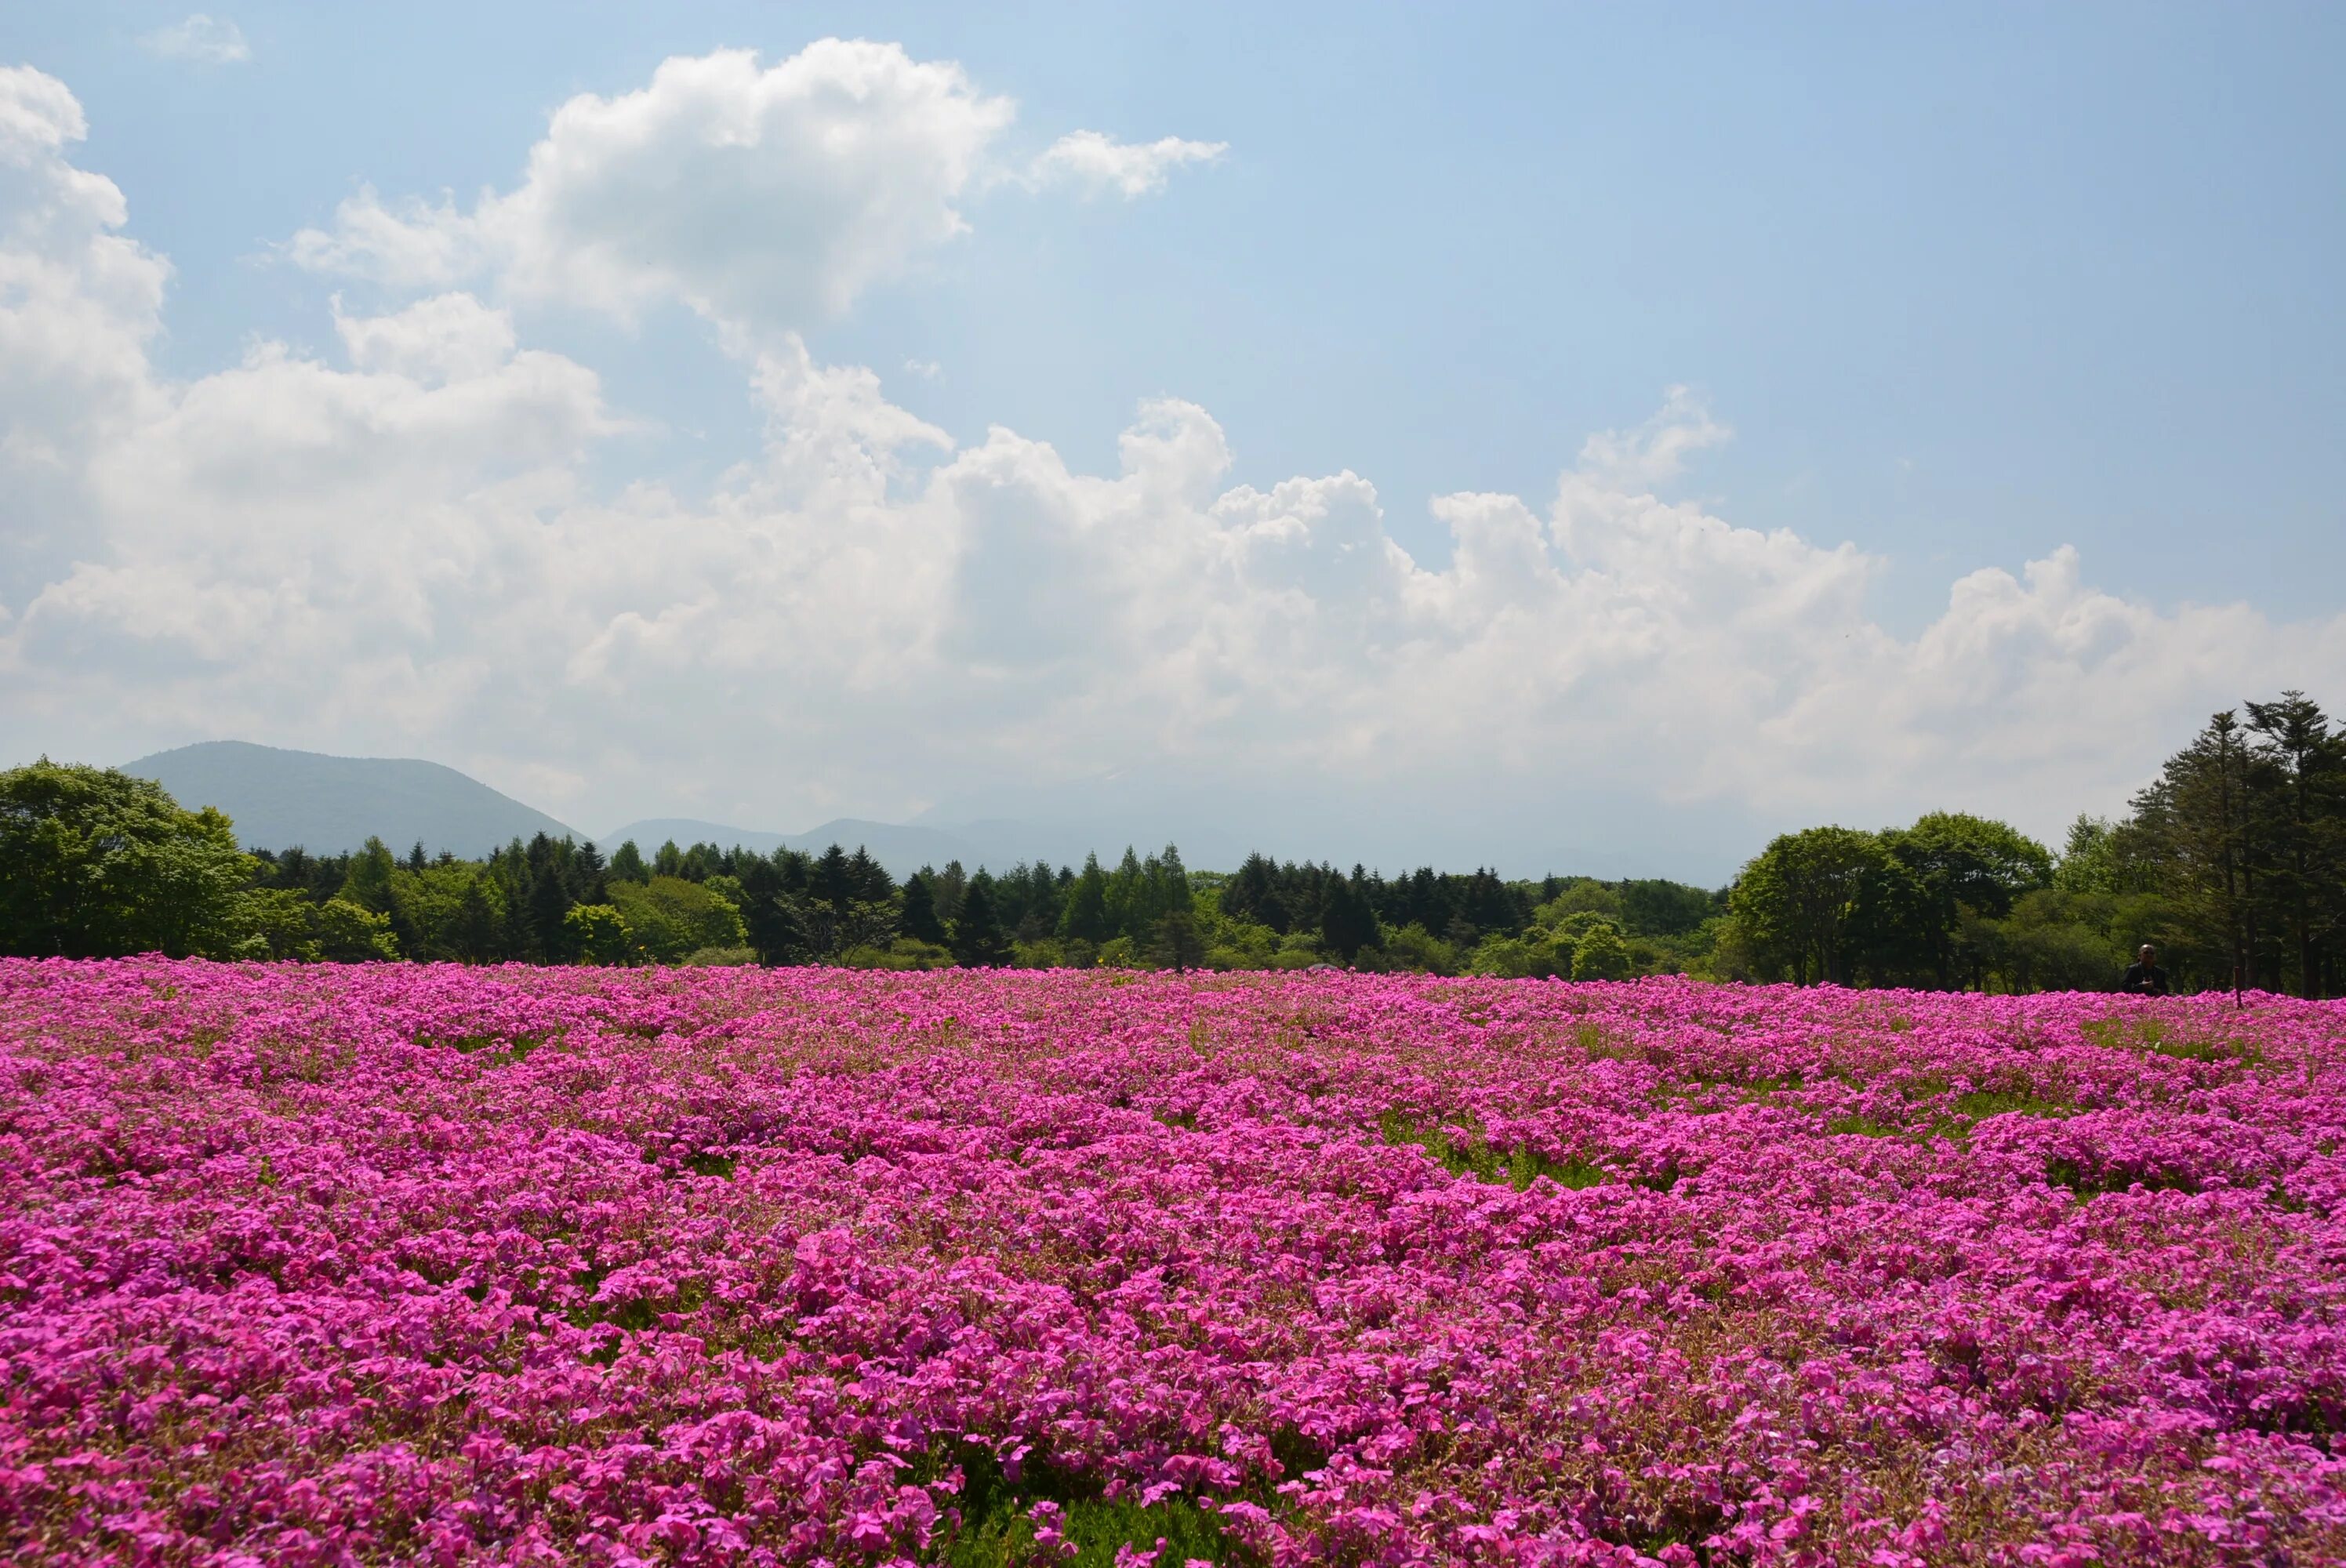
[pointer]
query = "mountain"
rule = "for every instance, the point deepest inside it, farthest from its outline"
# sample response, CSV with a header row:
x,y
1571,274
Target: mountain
x,y
329,804
901,849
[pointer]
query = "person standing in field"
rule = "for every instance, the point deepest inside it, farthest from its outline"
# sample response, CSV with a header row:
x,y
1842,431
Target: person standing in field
x,y
2144,977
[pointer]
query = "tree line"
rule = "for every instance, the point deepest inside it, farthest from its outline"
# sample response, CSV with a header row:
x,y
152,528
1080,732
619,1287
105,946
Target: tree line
x,y
2233,861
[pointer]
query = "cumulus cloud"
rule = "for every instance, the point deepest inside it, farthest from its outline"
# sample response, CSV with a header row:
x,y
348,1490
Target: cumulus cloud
x,y
763,197
1098,163
208,40
398,548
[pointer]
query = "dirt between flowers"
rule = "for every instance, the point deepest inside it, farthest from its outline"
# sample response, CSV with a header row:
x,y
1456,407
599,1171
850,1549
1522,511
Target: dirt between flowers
x,y
341,1265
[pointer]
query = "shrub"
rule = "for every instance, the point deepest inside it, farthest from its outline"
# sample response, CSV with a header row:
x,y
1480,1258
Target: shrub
x,y
721,957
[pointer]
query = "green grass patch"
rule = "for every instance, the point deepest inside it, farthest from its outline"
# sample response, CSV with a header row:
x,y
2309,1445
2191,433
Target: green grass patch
x,y
2152,1034
1856,1127
2069,1174
998,1529
497,1049
1002,1536
1464,1151
1981,1103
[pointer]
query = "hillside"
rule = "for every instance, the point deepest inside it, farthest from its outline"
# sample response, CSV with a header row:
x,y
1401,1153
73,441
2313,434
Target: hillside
x,y
327,804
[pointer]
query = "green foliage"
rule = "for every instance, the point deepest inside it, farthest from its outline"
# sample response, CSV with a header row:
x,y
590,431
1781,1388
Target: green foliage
x,y
1599,953
1505,957
1347,922
370,882
94,863
450,910
1464,1151
600,935
1412,947
1950,867
2233,862
1176,943
904,953
1800,902
722,958
275,923
978,942
349,932
919,920
1004,1523
669,917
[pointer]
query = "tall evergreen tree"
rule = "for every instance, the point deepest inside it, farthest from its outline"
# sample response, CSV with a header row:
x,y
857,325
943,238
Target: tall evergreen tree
x,y
1085,916
977,939
474,933
1252,894
2305,761
919,920
1347,924
834,879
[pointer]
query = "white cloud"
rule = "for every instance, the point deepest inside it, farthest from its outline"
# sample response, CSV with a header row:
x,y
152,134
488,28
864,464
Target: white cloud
x,y
1098,163
764,197
400,550
210,40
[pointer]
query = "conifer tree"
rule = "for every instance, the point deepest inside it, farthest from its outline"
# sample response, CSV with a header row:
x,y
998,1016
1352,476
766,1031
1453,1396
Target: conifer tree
x,y
919,920
1085,916
978,940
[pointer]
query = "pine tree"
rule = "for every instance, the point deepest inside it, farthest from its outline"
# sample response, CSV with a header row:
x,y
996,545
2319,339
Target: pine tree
x,y
978,940
1346,922
1085,916
834,879
919,920
475,934
2306,761
369,882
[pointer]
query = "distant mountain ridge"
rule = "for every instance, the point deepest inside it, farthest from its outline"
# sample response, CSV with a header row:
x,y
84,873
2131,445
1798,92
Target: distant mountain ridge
x,y
326,804
279,798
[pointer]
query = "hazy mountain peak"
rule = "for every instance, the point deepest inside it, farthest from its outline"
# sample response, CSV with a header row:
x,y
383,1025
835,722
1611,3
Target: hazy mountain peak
x,y
279,798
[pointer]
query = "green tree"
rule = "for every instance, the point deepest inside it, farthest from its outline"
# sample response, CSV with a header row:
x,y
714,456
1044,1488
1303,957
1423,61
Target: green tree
x,y
977,939
919,920
2198,825
446,910
1960,863
670,917
1085,916
1600,953
94,863
473,935
2306,836
350,933
599,934
1347,924
627,864
276,923
369,883
1178,945
1801,897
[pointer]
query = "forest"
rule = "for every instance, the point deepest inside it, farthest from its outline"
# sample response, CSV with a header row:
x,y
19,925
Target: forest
x,y
2232,861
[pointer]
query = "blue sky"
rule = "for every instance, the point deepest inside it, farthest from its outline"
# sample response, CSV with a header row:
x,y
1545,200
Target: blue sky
x,y
1968,285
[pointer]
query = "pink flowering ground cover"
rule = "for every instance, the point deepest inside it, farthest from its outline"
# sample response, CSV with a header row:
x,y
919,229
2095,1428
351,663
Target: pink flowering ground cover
x,y
398,1263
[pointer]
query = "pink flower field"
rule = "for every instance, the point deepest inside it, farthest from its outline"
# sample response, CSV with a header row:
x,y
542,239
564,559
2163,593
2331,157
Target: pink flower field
x,y
323,1265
